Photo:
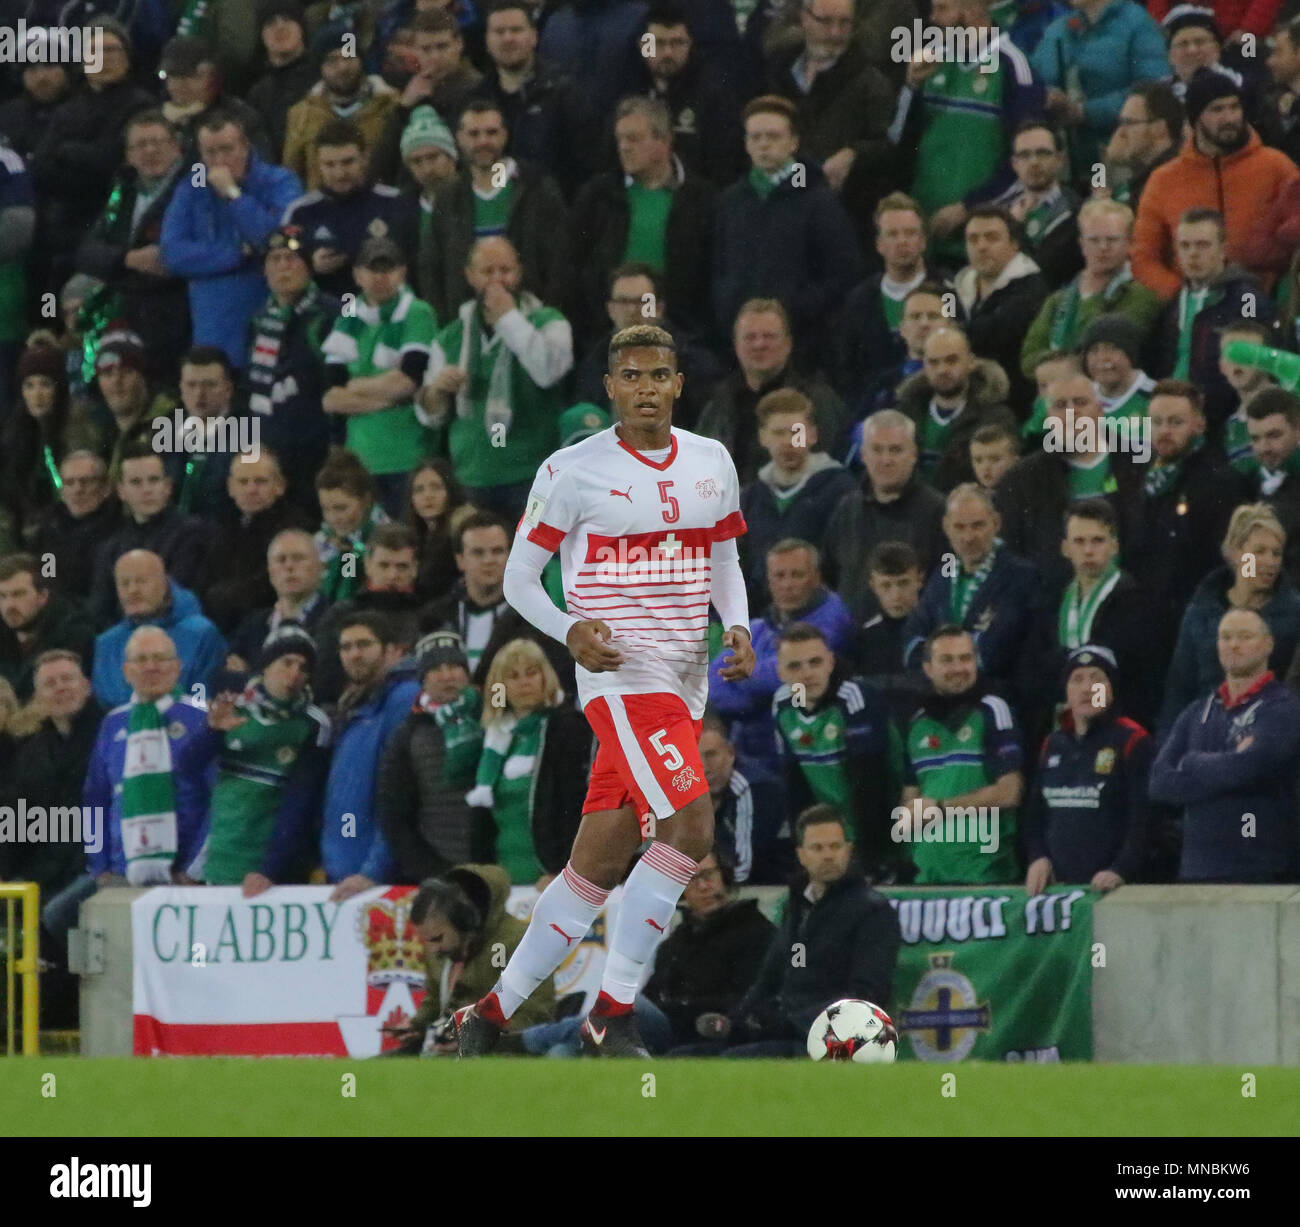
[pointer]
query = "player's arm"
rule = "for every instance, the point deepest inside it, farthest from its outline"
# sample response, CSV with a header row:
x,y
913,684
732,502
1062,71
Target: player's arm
x,y
728,587
536,541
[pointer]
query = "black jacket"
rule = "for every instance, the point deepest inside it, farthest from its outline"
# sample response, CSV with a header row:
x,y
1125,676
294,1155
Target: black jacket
x,y
1278,127
510,624
1088,809
850,941
61,624
859,523
1234,294
157,307
181,541
49,769
797,246
1178,542
600,220
23,121
997,323
730,417
275,91
73,167
706,963
74,543
422,813
1032,499
559,789
251,633
538,228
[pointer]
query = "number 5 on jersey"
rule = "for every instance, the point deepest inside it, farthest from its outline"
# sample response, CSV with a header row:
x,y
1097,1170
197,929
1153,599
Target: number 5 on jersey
x,y
669,752
669,500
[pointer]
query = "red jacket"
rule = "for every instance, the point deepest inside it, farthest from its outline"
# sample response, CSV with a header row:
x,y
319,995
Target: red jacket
x,y
1244,186
1250,16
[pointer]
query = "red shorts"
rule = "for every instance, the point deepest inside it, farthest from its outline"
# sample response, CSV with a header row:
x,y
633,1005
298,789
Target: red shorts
x,y
649,755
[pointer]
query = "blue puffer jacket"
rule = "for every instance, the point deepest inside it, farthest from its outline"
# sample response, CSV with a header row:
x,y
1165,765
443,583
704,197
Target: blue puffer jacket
x,y
1223,762
1195,667
216,244
198,643
360,736
193,748
1122,47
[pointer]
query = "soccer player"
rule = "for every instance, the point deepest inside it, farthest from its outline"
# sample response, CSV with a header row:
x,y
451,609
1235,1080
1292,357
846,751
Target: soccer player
x,y
645,518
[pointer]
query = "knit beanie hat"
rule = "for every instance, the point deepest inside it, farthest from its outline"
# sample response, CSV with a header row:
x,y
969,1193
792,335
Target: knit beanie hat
x,y
1185,16
427,129
1092,655
42,360
288,639
328,38
271,9
440,648
1206,86
1113,329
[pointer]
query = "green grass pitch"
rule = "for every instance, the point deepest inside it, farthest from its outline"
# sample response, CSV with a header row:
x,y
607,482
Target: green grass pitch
x,y
121,1097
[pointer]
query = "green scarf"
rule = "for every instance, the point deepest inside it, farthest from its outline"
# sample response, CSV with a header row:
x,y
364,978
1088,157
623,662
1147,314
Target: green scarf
x,y
1066,313
334,585
1075,617
965,585
1161,477
497,409
149,839
765,184
1190,303
259,704
462,733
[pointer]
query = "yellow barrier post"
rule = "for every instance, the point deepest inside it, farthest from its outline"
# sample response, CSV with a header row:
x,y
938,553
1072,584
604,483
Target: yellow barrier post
x,y
28,894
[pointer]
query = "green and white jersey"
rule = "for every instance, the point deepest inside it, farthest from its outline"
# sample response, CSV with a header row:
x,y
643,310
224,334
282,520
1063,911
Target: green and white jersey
x,y
952,749
1093,480
373,340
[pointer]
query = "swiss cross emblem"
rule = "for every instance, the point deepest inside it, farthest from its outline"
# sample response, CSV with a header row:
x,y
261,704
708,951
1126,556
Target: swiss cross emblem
x,y
670,544
708,488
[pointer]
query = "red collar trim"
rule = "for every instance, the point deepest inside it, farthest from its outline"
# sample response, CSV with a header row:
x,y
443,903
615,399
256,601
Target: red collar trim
x,y
661,465
1246,695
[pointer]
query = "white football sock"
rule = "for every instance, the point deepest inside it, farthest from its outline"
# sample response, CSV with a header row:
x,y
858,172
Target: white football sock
x,y
649,901
560,920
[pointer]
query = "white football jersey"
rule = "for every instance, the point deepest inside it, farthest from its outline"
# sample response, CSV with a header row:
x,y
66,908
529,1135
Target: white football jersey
x,y
636,538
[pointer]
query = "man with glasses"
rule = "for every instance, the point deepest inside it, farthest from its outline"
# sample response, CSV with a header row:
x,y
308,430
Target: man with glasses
x,y
147,783
1147,135
73,528
1046,208
1105,286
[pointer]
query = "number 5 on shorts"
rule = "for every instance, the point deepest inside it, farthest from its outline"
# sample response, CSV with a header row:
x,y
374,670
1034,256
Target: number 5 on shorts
x,y
669,753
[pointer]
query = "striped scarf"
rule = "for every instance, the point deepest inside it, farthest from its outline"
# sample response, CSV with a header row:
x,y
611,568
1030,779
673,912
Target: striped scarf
x,y
497,409
965,585
149,839
1077,613
269,328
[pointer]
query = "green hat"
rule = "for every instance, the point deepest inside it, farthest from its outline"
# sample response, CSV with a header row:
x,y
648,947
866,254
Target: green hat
x,y
426,128
580,421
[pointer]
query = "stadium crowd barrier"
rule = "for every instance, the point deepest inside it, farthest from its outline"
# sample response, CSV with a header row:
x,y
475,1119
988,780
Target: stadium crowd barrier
x,y
1180,974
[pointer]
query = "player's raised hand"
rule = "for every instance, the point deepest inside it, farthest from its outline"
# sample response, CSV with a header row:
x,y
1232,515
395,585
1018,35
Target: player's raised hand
x,y
588,643
740,664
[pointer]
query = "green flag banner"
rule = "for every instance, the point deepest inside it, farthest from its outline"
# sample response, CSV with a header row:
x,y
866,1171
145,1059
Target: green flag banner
x,y
994,974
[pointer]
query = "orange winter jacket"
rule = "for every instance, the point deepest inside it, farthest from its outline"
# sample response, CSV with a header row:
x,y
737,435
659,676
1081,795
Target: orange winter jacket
x,y
1243,186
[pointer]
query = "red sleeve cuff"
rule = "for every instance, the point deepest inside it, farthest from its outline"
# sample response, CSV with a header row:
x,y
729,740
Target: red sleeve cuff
x,y
732,526
547,537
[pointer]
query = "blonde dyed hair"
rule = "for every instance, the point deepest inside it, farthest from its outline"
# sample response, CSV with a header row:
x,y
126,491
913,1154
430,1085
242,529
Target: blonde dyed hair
x,y
1245,520
516,654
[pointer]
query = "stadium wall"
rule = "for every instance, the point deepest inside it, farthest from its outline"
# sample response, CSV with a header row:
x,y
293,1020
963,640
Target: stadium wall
x,y
1206,975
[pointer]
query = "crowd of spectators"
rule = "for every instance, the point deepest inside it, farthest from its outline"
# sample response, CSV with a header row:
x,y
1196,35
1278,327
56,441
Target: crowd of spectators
x,y
294,301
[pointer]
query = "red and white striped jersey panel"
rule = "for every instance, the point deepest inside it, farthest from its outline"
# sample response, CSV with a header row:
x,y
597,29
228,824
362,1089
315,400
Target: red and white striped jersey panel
x,y
636,541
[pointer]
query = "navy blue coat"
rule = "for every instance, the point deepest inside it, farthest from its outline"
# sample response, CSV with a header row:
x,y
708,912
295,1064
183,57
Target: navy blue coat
x,y
1224,762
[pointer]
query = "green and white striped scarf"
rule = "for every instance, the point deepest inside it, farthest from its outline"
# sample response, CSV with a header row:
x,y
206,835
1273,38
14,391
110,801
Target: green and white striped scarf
x,y
966,584
497,409
149,839
1077,614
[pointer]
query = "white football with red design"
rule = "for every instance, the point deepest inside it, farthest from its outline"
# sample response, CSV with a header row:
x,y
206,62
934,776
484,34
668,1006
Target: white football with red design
x,y
852,1030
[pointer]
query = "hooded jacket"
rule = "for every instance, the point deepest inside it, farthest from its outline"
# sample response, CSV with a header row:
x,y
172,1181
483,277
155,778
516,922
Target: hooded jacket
x,y
986,404
807,507
451,984
850,938
1243,186
199,645
361,732
216,245
1223,760
997,321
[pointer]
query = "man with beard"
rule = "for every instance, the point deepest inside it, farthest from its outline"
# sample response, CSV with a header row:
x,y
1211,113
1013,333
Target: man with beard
x,y
346,210
33,621
1225,166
